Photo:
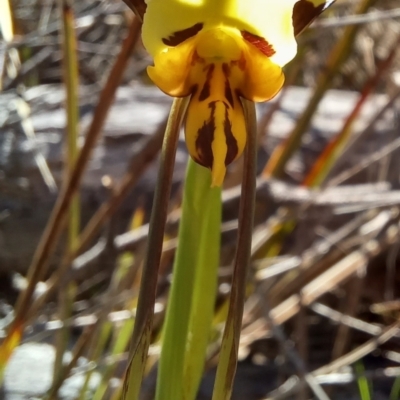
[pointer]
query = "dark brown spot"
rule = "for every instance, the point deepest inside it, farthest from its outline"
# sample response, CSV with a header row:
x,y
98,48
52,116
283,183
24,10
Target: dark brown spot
x,y
259,42
231,143
193,89
206,90
180,36
226,70
228,91
304,12
205,138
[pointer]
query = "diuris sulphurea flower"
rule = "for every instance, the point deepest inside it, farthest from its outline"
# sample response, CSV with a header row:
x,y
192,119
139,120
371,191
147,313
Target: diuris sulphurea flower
x,y
217,51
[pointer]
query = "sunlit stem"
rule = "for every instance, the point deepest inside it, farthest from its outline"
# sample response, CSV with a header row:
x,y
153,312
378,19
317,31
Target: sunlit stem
x,y
193,291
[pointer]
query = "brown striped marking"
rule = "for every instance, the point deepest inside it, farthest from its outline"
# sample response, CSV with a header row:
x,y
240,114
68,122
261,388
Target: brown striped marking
x,y
205,138
231,143
206,90
259,42
228,91
180,36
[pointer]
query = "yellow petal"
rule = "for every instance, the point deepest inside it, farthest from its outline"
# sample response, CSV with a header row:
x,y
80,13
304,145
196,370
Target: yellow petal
x,y
164,18
171,69
263,78
270,19
219,43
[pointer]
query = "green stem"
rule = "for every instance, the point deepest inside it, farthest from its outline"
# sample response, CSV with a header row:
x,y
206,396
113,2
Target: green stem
x,y
144,316
192,299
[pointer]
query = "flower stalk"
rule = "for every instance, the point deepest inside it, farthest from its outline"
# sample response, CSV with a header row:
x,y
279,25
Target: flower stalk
x,y
222,57
193,290
144,314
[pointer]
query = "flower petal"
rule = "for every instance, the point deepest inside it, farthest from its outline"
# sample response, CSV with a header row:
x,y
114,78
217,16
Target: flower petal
x,y
215,127
263,78
270,19
217,51
171,69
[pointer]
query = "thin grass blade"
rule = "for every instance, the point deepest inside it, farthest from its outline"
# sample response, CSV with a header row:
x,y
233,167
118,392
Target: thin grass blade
x,y
71,81
362,381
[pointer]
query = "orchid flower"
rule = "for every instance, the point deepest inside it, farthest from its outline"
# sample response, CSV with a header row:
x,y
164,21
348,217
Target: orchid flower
x,y
217,52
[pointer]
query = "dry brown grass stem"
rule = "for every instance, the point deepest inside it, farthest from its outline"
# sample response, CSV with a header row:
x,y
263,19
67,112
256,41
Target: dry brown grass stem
x,y
147,295
57,219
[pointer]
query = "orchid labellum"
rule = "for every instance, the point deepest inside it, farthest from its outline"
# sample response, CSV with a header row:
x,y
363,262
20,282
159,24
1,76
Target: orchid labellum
x,y
217,51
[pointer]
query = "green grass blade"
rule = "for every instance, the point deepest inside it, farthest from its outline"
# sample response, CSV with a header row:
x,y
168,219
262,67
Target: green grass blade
x,y
395,392
362,381
205,290
97,346
122,339
193,291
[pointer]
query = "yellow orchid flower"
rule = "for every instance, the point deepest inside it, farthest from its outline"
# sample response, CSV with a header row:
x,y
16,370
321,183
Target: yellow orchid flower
x,y
217,51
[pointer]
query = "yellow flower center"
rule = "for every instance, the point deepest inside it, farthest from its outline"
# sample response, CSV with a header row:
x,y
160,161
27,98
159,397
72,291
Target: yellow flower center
x,y
216,67
217,51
